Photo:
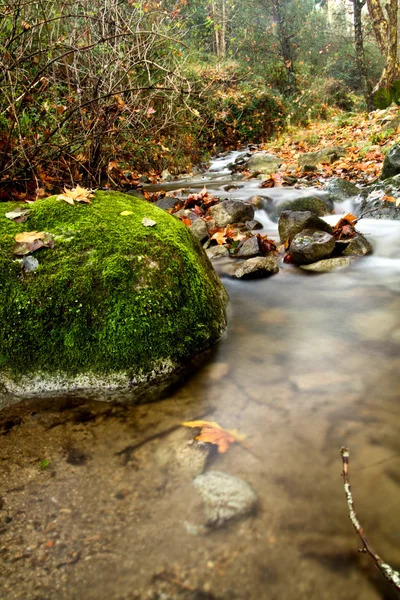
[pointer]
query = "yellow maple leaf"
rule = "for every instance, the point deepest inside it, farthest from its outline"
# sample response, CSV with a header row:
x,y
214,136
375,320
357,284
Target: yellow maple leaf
x,y
125,213
213,433
77,194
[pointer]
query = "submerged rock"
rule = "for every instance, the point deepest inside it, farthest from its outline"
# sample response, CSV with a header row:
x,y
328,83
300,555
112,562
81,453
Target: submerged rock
x,y
260,266
231,211
293,222
319,205
310,246
113,306
327,265
225,497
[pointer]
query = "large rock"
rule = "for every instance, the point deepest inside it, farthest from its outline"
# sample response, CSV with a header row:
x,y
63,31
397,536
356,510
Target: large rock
x,y
292,222
114,306
323,156
340,190
318,205
372,200
391,164
261,162
310,246
254,268
231,211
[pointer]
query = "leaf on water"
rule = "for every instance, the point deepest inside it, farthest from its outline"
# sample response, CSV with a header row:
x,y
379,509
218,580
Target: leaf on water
x,y
213,433
125,213
77,194
18,215
148,222
30,241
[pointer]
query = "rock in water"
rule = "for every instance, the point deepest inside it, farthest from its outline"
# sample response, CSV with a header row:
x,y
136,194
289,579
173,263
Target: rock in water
x,y
340,190
292,222
113,306
261,162
231,211
310,246
328,264
225,497
260,266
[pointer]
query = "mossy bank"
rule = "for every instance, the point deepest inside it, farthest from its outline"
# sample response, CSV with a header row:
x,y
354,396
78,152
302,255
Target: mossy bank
x,y
112,306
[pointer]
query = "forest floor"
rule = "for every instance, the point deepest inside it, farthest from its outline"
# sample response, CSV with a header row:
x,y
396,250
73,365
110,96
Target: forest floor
x,y
366,137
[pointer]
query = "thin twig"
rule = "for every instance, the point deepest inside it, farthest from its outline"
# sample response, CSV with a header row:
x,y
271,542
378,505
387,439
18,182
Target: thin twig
x,y
390,574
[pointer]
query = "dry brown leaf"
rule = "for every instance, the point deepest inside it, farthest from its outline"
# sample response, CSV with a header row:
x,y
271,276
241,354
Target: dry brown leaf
x,y
77,194
213,433
27,237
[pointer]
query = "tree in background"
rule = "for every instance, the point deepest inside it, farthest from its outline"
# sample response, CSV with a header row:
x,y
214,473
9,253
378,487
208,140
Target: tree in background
x,y
385,30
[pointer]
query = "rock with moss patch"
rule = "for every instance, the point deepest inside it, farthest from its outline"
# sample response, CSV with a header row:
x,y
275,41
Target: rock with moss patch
x,y
391,164
113,307
323,156
340,190
292,222
318,205
310,246
262,162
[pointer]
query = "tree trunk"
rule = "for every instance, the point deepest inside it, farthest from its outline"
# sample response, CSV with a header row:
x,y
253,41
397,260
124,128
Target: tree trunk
x,y
285,44
385,30
360,55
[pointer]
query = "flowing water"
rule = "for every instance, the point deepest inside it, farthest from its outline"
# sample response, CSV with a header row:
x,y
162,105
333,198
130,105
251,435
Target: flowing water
x,y
310,363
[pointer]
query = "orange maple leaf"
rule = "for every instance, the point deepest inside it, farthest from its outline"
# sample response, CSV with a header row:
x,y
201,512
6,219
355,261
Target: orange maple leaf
x,y
213,433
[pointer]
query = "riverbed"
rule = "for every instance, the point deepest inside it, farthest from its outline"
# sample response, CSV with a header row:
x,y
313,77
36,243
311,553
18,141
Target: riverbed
x,y
97,500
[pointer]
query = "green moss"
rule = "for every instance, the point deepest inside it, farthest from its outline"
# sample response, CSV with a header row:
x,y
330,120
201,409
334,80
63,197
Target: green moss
x,y
111,296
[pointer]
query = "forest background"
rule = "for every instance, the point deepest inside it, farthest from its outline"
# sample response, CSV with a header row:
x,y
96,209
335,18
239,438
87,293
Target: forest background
x,y
99,92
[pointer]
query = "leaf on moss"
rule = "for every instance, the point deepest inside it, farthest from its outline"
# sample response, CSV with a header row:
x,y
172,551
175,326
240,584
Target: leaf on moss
x,y
78,194
30,241
213,433
18,215
148,222
126,213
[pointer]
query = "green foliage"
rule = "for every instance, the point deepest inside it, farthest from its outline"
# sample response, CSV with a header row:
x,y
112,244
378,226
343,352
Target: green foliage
x,y
385,96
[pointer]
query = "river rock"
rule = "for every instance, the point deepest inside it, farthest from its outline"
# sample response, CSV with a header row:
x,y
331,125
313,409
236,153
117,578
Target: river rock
x,y
340,190
253,268
372,199
310,246
292,222
231,211
357,246
225,497
325,156
168,202
248,248
253,224
391,164
217,251
319,205
114,307
262,162
327,265
199,229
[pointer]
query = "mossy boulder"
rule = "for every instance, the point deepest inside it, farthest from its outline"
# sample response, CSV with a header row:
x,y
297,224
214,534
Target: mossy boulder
x,y
113,306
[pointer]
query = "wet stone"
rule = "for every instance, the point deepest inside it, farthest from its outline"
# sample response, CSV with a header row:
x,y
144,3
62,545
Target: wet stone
x,y
311,246
231,211
328,264
358,246
199,229
293,222
168,202
253,224
249,248
260,266
217,251
225,497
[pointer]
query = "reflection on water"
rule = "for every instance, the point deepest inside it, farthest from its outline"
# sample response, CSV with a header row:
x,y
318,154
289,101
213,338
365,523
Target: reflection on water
x,y
97,501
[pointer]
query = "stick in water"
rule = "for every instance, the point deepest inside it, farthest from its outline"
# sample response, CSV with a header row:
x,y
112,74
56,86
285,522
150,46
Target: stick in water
x,y
389,573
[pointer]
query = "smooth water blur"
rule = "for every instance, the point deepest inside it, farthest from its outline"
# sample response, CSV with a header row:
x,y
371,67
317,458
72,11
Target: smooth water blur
x,y
310,363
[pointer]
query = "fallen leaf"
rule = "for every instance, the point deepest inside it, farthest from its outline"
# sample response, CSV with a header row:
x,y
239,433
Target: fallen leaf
x,y
125,213
30,241
344,228
213,433
148,222
18,215
78,194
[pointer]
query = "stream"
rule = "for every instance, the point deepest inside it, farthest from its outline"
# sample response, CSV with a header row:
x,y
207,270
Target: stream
x,y
97,501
